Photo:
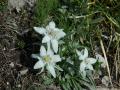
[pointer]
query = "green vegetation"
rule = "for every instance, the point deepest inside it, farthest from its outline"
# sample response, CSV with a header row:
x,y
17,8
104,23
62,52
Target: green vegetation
x,y
94,24
44,9
3,5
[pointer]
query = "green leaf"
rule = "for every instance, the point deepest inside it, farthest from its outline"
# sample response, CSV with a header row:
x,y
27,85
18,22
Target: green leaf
x,y
112,20
100,19
91,87
58,67
74,84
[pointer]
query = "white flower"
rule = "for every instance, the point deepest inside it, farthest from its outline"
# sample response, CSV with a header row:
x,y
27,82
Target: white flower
x,y
48,59
52,34
69,60
86,62
101,59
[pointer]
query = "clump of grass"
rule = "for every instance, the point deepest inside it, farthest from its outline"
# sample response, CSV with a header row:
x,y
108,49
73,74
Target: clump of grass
x,y
44,9
3,5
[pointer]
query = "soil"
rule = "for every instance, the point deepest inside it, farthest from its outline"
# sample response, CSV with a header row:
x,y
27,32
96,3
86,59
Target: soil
x,y
17,43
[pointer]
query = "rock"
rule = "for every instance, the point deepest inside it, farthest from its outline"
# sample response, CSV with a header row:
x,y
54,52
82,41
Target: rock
x,y
23,72
15,4
18,4
105,81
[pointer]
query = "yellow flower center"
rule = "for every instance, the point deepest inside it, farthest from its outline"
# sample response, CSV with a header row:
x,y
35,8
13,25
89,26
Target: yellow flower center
x,y
46,58
86,61
52,33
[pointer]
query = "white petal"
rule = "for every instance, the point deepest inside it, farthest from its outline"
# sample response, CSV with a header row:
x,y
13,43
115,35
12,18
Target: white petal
x,y
52,25
60,34
43,51
49,50
39,64
69,60
83,54
55,45
78,52
51,70
56,58
48,45
84,73
82,69
35,56
99,57
102,60
91,60
82,66
40,30
45,39
89,66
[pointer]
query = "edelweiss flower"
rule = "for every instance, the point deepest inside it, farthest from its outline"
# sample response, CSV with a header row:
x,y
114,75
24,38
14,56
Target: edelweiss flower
x,y
48,59
52,34
101,59
86,62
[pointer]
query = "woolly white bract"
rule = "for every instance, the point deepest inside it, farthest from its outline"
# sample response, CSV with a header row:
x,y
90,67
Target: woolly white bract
x,y
102,60
51,34
46,58
86,62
